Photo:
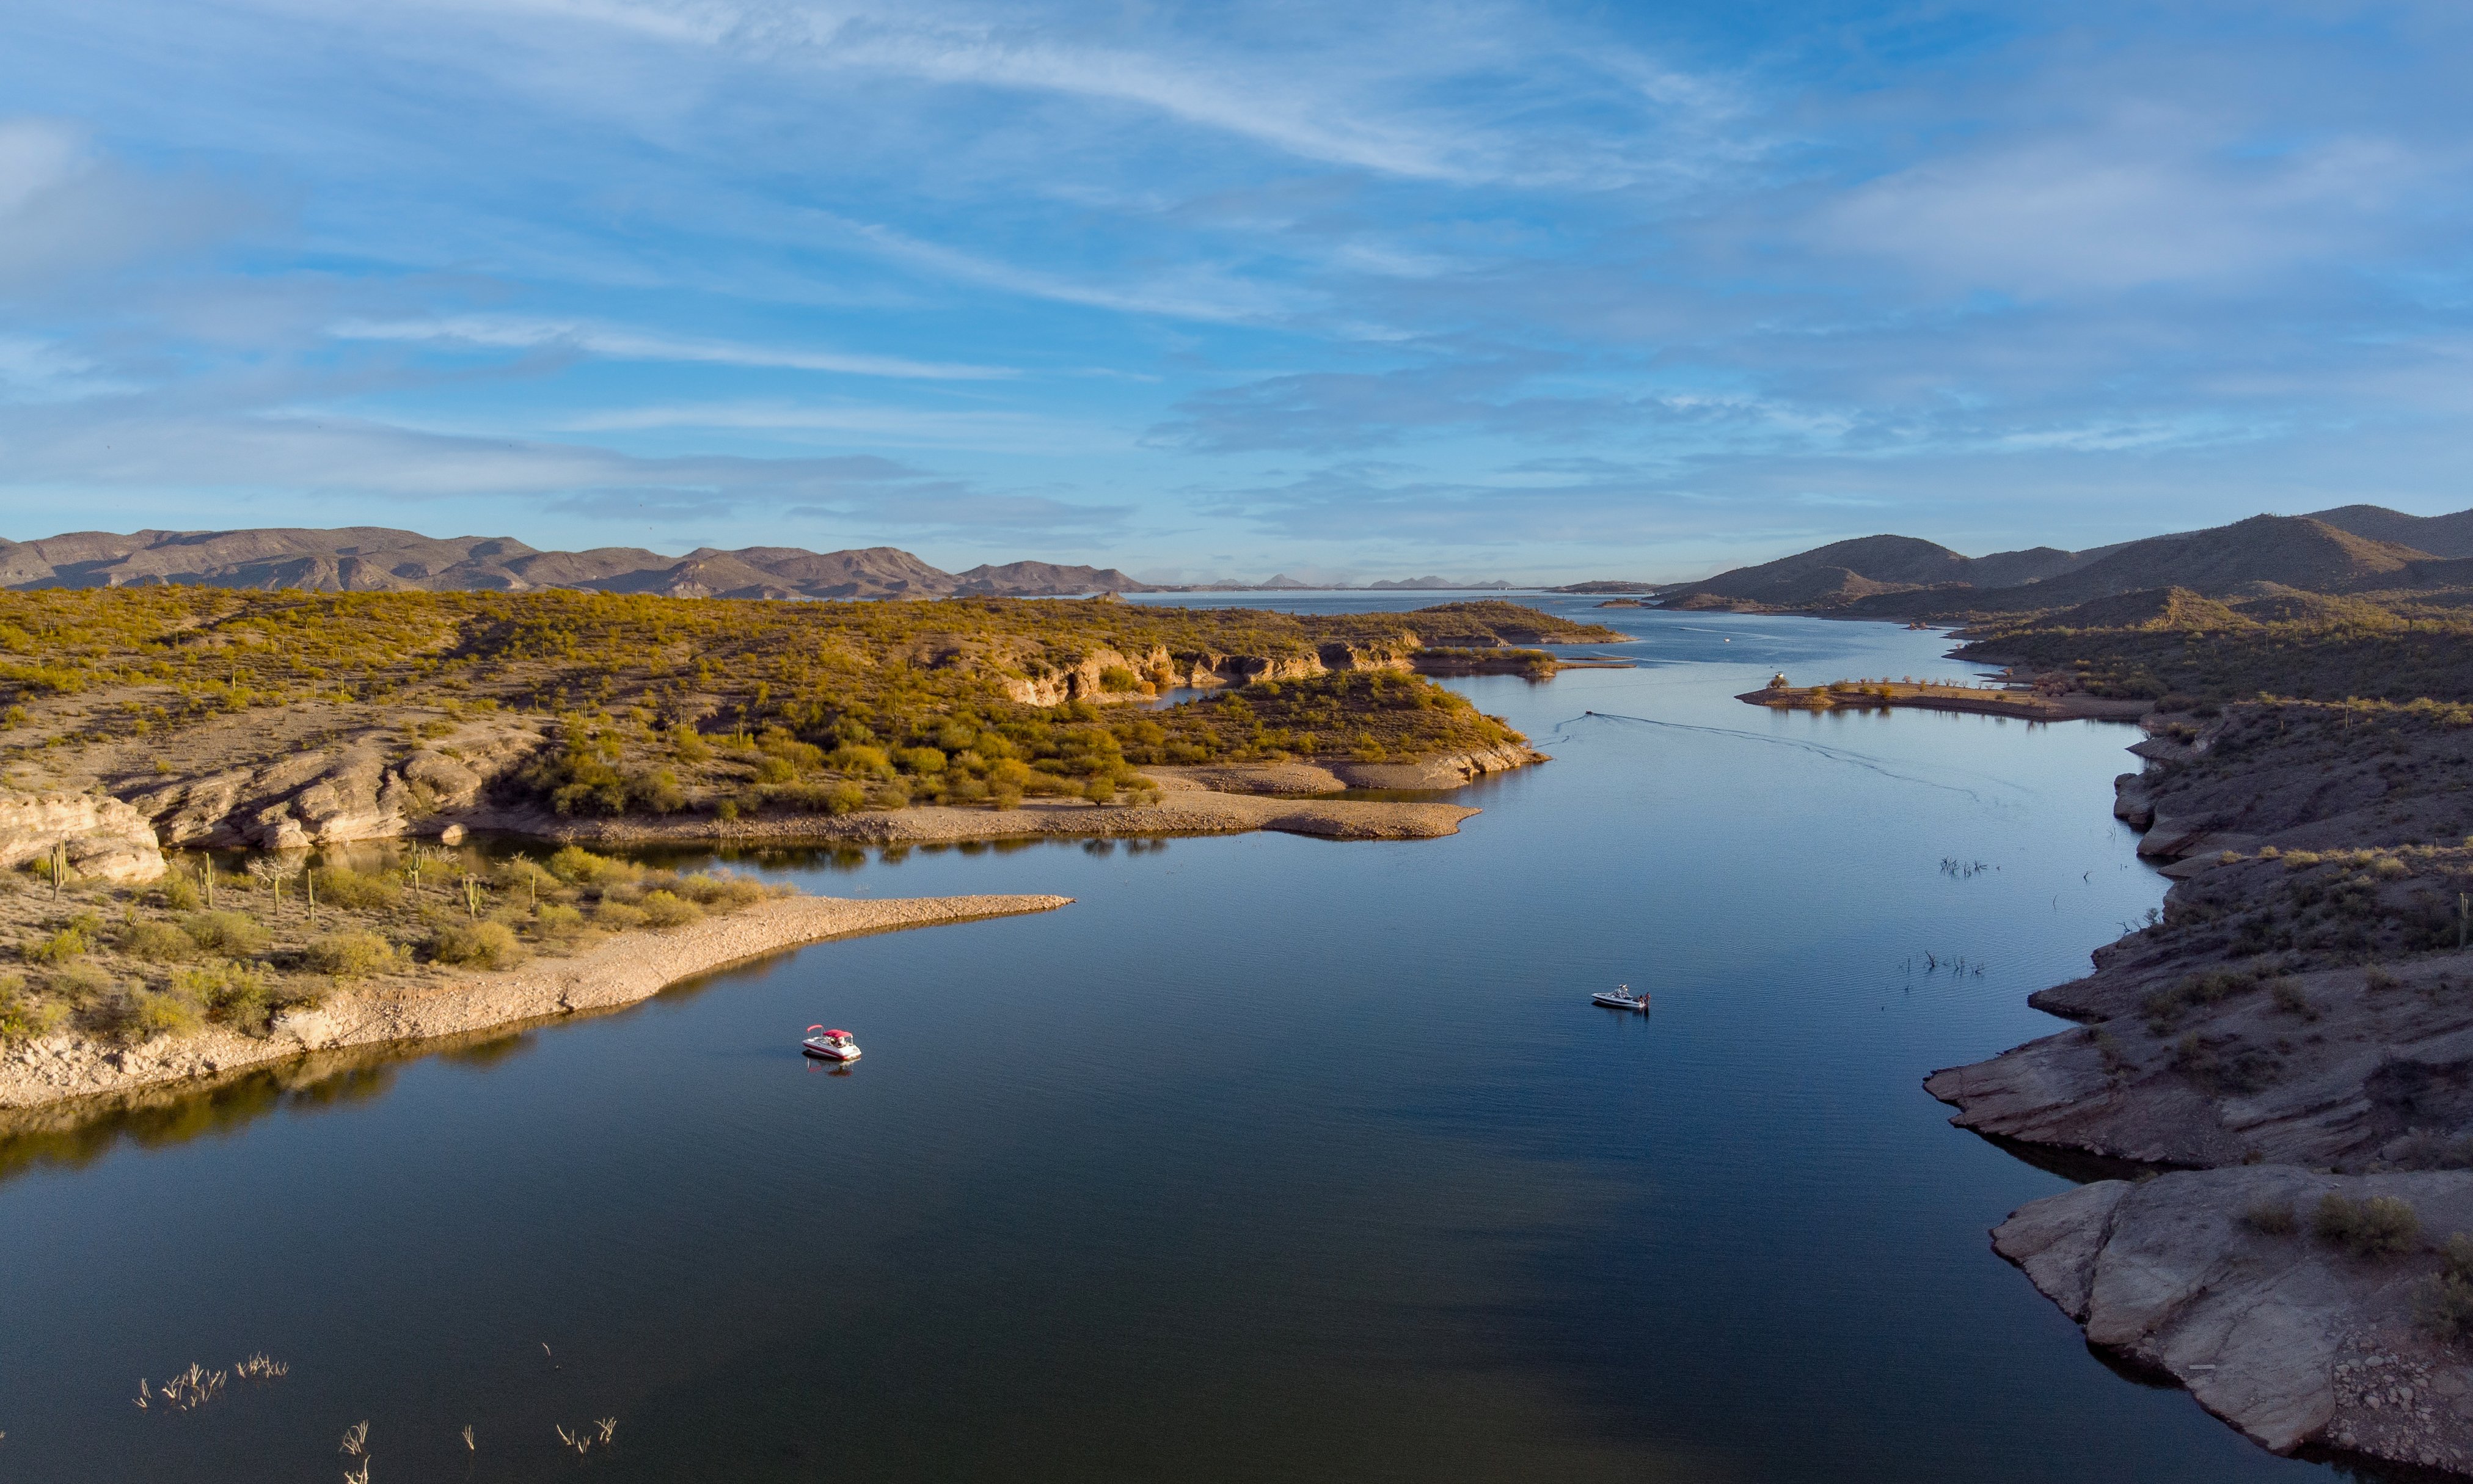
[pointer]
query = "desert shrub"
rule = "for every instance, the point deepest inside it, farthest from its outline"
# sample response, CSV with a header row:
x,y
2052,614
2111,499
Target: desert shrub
x,y
688,744
923,761
80,984
71,942
558,920
860,757
726,893
797,756
479,944
1117,679
24,1017
1101,789
2165,1007
2291,1000
2378,980
341,886
615,914
2273,1218
157,943
178,894
232,933
845,797
152,1014
582,867
236,994
660,792
2374,1228
667,909
349,954
2443,1304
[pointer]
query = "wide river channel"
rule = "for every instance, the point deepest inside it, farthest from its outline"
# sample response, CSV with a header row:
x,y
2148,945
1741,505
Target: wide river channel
x,y
1269,1159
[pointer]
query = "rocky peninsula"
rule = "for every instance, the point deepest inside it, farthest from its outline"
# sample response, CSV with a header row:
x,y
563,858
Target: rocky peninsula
x,y
2287,1046
618,972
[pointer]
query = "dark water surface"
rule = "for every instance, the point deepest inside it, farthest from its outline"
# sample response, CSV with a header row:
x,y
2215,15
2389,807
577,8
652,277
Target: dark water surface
x,y
1270,1159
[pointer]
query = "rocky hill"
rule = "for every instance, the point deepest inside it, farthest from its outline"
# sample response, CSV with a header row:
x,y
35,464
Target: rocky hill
x,y
2358,548
1843,572
374,559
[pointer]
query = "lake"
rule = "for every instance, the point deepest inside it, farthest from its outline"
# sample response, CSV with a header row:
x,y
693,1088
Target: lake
x,y
1269,1159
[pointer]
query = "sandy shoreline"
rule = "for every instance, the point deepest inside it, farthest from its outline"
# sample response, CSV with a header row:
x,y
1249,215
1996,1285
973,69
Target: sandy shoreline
x,y
609,975
1188,809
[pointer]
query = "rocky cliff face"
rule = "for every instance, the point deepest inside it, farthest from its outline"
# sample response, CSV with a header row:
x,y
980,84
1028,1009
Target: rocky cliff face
x,y
327,796
1085,680
103,838
2286,1337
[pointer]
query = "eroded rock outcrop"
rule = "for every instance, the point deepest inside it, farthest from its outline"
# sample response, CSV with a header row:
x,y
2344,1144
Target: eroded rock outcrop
x,y
2289,1339
1087,678
102,838
355,790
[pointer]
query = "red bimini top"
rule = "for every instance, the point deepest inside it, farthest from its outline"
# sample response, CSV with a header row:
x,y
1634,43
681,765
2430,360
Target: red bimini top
x,y
836,1033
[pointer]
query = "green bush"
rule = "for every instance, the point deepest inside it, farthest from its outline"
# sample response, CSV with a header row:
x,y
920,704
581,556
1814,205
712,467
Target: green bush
x,y
927,761
152,1014
349,954
2374,1228
236,994
70,943
583,868
24,1017
231,933
617,914
341,886
727,894
178,894
558,920
668,909
2273,1218
157,943
481,946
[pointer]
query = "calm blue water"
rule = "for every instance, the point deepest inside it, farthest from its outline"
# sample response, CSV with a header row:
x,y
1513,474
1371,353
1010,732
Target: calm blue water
x,y
1269,1159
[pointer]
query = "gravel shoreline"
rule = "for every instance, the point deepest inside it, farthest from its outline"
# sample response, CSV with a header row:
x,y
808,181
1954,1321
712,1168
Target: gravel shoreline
x,y
606,976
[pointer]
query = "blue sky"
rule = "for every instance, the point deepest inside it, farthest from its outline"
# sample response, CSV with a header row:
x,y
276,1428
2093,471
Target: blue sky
x,y
1354,291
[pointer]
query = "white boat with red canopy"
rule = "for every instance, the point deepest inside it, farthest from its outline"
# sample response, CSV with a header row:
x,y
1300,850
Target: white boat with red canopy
x,y
832,1045
1620,998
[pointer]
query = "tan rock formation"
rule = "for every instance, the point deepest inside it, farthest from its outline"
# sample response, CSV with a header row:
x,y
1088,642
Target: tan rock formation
x,y
104,839
333,794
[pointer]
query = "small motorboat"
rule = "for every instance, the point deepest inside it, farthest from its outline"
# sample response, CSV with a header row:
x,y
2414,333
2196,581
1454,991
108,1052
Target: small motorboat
x,y
1620,998
830,1046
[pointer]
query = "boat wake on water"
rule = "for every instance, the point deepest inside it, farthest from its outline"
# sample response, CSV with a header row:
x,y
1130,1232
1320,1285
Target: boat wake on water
x,y
1864,761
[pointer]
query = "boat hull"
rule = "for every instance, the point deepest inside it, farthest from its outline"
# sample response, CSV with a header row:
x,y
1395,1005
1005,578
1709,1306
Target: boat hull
x,y
832,1053
1639,1005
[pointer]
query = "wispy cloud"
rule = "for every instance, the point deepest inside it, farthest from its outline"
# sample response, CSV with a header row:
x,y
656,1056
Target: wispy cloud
x,y
516,333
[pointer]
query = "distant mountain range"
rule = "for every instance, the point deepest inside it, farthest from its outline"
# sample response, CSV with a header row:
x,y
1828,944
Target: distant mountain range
x,y
374,559
2355,548
371,559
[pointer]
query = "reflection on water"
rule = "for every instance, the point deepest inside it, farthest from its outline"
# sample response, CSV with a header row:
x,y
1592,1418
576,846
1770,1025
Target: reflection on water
x,y
1270,1157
